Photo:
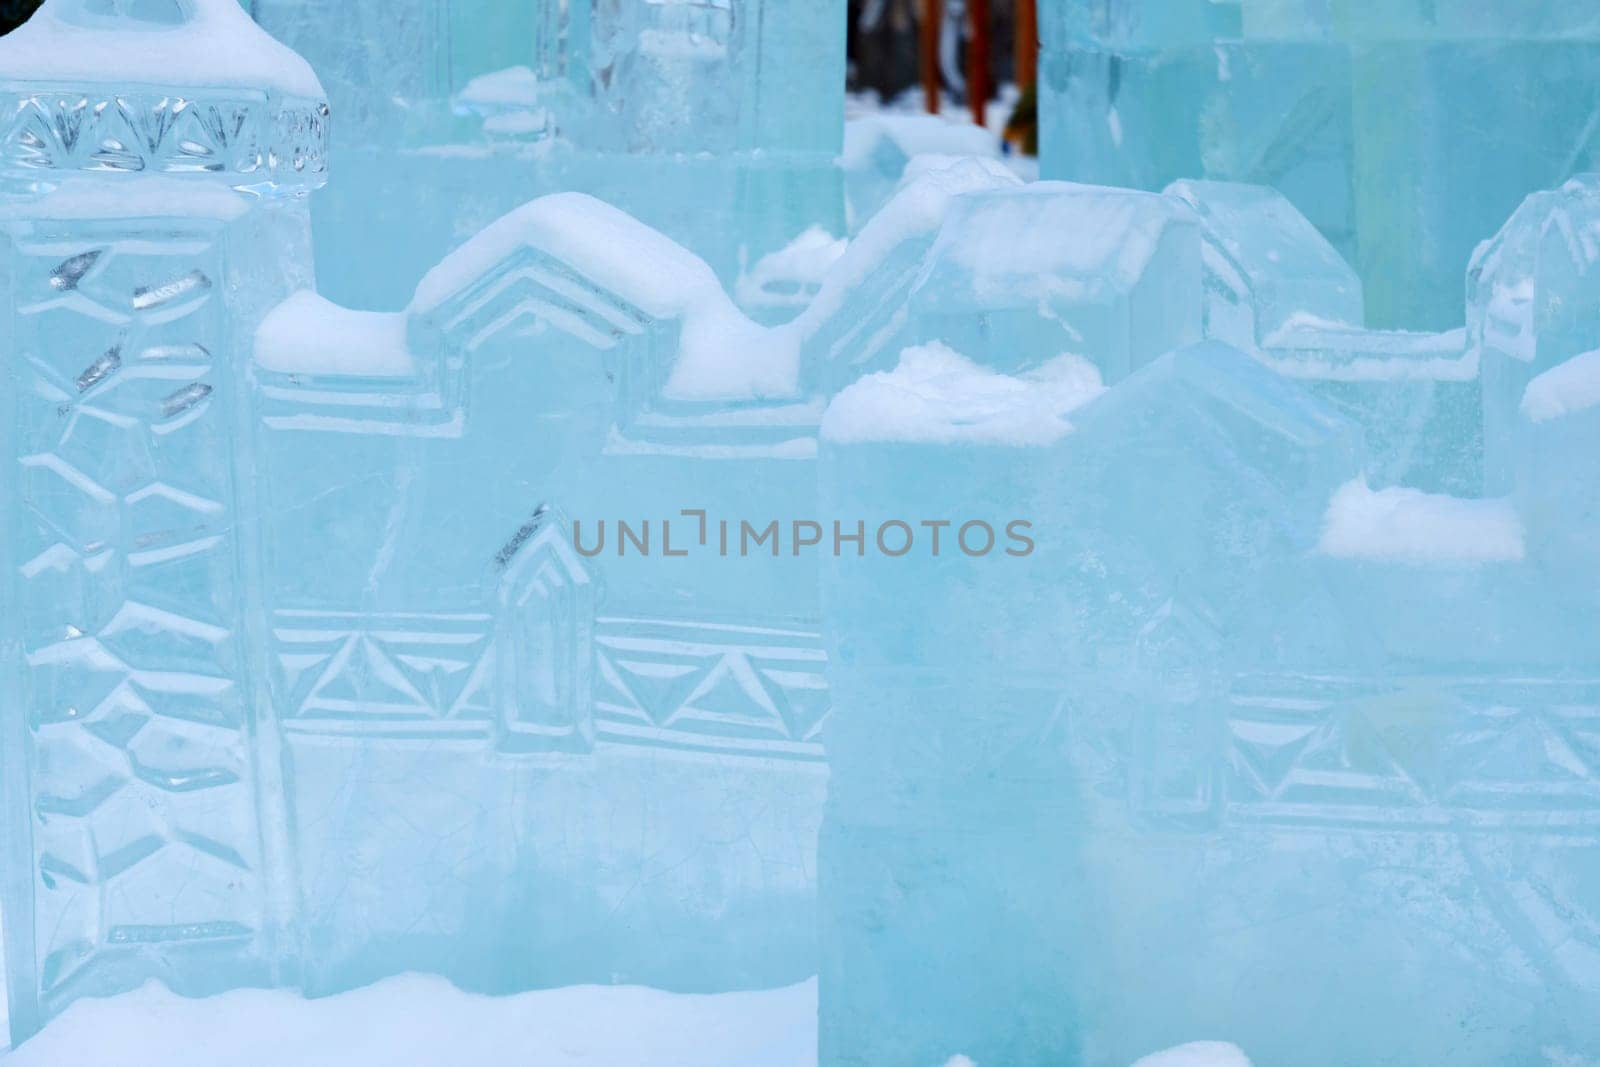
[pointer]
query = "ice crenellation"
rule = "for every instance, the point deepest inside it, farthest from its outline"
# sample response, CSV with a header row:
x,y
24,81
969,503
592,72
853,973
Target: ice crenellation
x,y
577,617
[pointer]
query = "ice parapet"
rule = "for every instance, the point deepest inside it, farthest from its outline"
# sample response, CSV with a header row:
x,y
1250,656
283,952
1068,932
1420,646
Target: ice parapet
x,y
501,639
1303,97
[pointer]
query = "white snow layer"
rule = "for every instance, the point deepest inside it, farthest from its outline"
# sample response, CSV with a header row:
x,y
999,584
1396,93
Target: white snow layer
x,y
423,1021
1409,526
722,353
1308,347
792,273
937,396
1198,1054
308,334
214,44
511,87
1563,390
419,1021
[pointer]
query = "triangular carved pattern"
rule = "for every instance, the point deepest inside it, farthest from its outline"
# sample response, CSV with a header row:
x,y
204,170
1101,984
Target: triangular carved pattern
x,y
165,134
714,688
384,668
1432,755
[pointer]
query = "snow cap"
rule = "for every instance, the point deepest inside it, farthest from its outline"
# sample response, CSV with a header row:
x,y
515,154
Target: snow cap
x,y
162,44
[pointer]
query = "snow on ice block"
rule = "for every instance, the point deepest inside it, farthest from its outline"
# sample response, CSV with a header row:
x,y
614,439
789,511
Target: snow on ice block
x,y
421,1021
1236,721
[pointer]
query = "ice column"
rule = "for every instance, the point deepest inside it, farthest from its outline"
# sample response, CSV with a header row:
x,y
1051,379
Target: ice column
x,y
155,162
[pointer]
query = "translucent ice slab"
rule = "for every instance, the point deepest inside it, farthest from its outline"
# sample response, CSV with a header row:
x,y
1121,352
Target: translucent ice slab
x,y
316,681
1405,131
1276,288
1243,746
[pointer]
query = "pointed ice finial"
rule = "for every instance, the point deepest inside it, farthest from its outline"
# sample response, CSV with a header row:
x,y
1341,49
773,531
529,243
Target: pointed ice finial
x,y
191,87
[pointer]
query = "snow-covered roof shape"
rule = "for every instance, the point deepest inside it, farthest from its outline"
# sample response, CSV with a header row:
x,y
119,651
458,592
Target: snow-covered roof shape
x,y
721,354
169,44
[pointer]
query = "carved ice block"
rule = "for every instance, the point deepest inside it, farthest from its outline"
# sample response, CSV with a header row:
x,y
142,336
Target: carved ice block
x,y
1244,746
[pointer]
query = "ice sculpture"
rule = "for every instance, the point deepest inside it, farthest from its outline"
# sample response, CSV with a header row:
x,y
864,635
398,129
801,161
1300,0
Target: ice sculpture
x,y
156,159
1227,735
352,642
715,121
1405,131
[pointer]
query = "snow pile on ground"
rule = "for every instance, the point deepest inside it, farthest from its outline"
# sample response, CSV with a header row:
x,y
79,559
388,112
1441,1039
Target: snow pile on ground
x,y
417,1021
421,1021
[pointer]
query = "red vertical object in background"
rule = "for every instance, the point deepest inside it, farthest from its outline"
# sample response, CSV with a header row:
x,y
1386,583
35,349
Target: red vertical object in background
x,y
928,53
978,59
1027,58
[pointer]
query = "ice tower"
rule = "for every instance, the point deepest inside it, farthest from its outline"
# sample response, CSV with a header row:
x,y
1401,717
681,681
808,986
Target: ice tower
x,y
156,161
1405,131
